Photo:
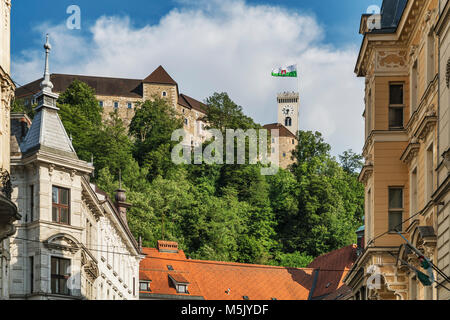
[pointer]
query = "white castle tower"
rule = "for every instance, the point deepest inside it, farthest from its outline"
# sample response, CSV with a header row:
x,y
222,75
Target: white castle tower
x,y
288,110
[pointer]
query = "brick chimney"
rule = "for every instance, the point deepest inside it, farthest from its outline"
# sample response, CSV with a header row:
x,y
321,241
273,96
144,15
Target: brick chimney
x,y
167,246
121,204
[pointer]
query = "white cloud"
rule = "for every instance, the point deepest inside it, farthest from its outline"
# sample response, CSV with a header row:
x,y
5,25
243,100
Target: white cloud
x,y
221,46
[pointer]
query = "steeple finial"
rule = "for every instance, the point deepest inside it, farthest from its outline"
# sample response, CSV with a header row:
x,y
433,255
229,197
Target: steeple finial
x,y
46,84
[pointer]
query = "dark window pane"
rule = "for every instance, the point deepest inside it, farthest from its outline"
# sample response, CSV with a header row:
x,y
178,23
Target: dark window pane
x,y
54,285
64,216
64,196
395,220
395,117
55,214
396,94
395,198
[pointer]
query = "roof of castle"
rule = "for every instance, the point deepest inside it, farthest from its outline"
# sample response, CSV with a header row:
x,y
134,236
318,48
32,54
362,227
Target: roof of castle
x,y
191,103
160,76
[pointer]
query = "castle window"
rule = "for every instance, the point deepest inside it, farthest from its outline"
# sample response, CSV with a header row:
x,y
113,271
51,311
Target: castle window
x,y
60,205
60,275
164,94
288,122
130,105
186,121
116,105
100,103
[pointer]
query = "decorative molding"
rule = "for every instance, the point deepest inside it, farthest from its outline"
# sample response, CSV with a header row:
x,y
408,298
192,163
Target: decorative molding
x,y
366,173
411,152
426,126
62,242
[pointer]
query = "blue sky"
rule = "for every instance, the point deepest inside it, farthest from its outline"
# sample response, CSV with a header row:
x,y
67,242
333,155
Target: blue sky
x,y
211,46
340,18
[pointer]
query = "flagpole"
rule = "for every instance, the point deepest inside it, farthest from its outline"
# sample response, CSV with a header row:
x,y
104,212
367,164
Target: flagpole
x,y
298,88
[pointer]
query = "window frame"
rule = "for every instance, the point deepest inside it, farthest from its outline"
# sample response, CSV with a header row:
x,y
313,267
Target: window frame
x,y
396,106
59,276
60,206
392,211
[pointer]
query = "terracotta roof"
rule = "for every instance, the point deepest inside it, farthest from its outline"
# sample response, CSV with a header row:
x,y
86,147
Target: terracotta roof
x,y
334,265
160,76
103,86
214,280
284,132
178,278
192,103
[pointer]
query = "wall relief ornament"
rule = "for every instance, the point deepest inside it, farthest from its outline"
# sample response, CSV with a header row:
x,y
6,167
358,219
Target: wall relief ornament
x,y
391,59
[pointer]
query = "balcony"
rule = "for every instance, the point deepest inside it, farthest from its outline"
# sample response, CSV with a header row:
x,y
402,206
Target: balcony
x,y
8,210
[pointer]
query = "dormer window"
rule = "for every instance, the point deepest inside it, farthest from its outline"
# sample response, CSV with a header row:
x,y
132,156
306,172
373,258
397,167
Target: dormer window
x,y
180,283
144,286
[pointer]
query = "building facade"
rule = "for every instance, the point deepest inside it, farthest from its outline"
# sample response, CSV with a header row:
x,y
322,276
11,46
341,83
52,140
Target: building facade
x,y
442,195
400,62
72,241
8,210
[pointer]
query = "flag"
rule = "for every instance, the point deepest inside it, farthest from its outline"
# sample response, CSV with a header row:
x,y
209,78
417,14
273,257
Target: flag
x,y
290,71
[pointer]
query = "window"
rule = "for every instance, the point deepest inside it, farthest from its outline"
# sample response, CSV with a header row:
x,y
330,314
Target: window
x,y
130,105
430,57
31,203
100,103
430,171
31,261
395,106
288,122
181,288
60,205
60,275
134,286
414,192
414,81
395,209
293,141
164,94
169,267
186,121
144,286
116,105
284,154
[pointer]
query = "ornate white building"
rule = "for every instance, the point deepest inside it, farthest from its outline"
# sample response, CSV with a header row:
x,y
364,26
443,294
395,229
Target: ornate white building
x,y
8,210
72,241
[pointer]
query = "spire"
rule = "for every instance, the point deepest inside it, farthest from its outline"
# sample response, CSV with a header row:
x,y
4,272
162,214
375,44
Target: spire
x,y
47,131
46,84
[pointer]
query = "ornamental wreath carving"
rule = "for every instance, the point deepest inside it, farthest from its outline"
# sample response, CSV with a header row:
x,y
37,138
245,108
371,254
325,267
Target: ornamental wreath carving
x,y
5,183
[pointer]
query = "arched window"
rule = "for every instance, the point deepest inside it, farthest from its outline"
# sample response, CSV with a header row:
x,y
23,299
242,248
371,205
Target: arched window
x,y
288,122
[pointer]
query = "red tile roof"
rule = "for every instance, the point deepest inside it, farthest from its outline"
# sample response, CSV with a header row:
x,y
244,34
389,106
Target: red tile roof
x,y
284,132
332,268
215,280
160,76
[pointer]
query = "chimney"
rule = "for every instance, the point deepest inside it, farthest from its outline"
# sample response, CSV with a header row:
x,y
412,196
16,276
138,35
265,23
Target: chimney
x,y
121,204
167,246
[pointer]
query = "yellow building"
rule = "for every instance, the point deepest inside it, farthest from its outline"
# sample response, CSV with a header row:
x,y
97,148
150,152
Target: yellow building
x,y
399,59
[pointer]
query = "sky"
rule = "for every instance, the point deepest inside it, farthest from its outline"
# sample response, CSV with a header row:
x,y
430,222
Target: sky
x,y
211,46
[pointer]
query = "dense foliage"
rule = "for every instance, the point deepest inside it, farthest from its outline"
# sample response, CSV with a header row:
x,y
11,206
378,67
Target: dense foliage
x,y
218,212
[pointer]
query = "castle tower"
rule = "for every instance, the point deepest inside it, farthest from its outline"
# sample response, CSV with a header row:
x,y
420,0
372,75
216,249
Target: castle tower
x,y
288,110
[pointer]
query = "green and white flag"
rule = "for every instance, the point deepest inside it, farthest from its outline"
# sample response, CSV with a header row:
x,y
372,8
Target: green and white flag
x,y
290,71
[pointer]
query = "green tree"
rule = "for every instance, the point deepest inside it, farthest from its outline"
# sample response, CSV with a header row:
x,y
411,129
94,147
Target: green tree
x,y
152,127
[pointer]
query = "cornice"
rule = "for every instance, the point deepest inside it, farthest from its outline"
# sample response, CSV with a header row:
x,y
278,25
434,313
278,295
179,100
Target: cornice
x,y
443,19
366,173
411,152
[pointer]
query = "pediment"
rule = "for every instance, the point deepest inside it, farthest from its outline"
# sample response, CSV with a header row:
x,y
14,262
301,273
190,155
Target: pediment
x,y
64,242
